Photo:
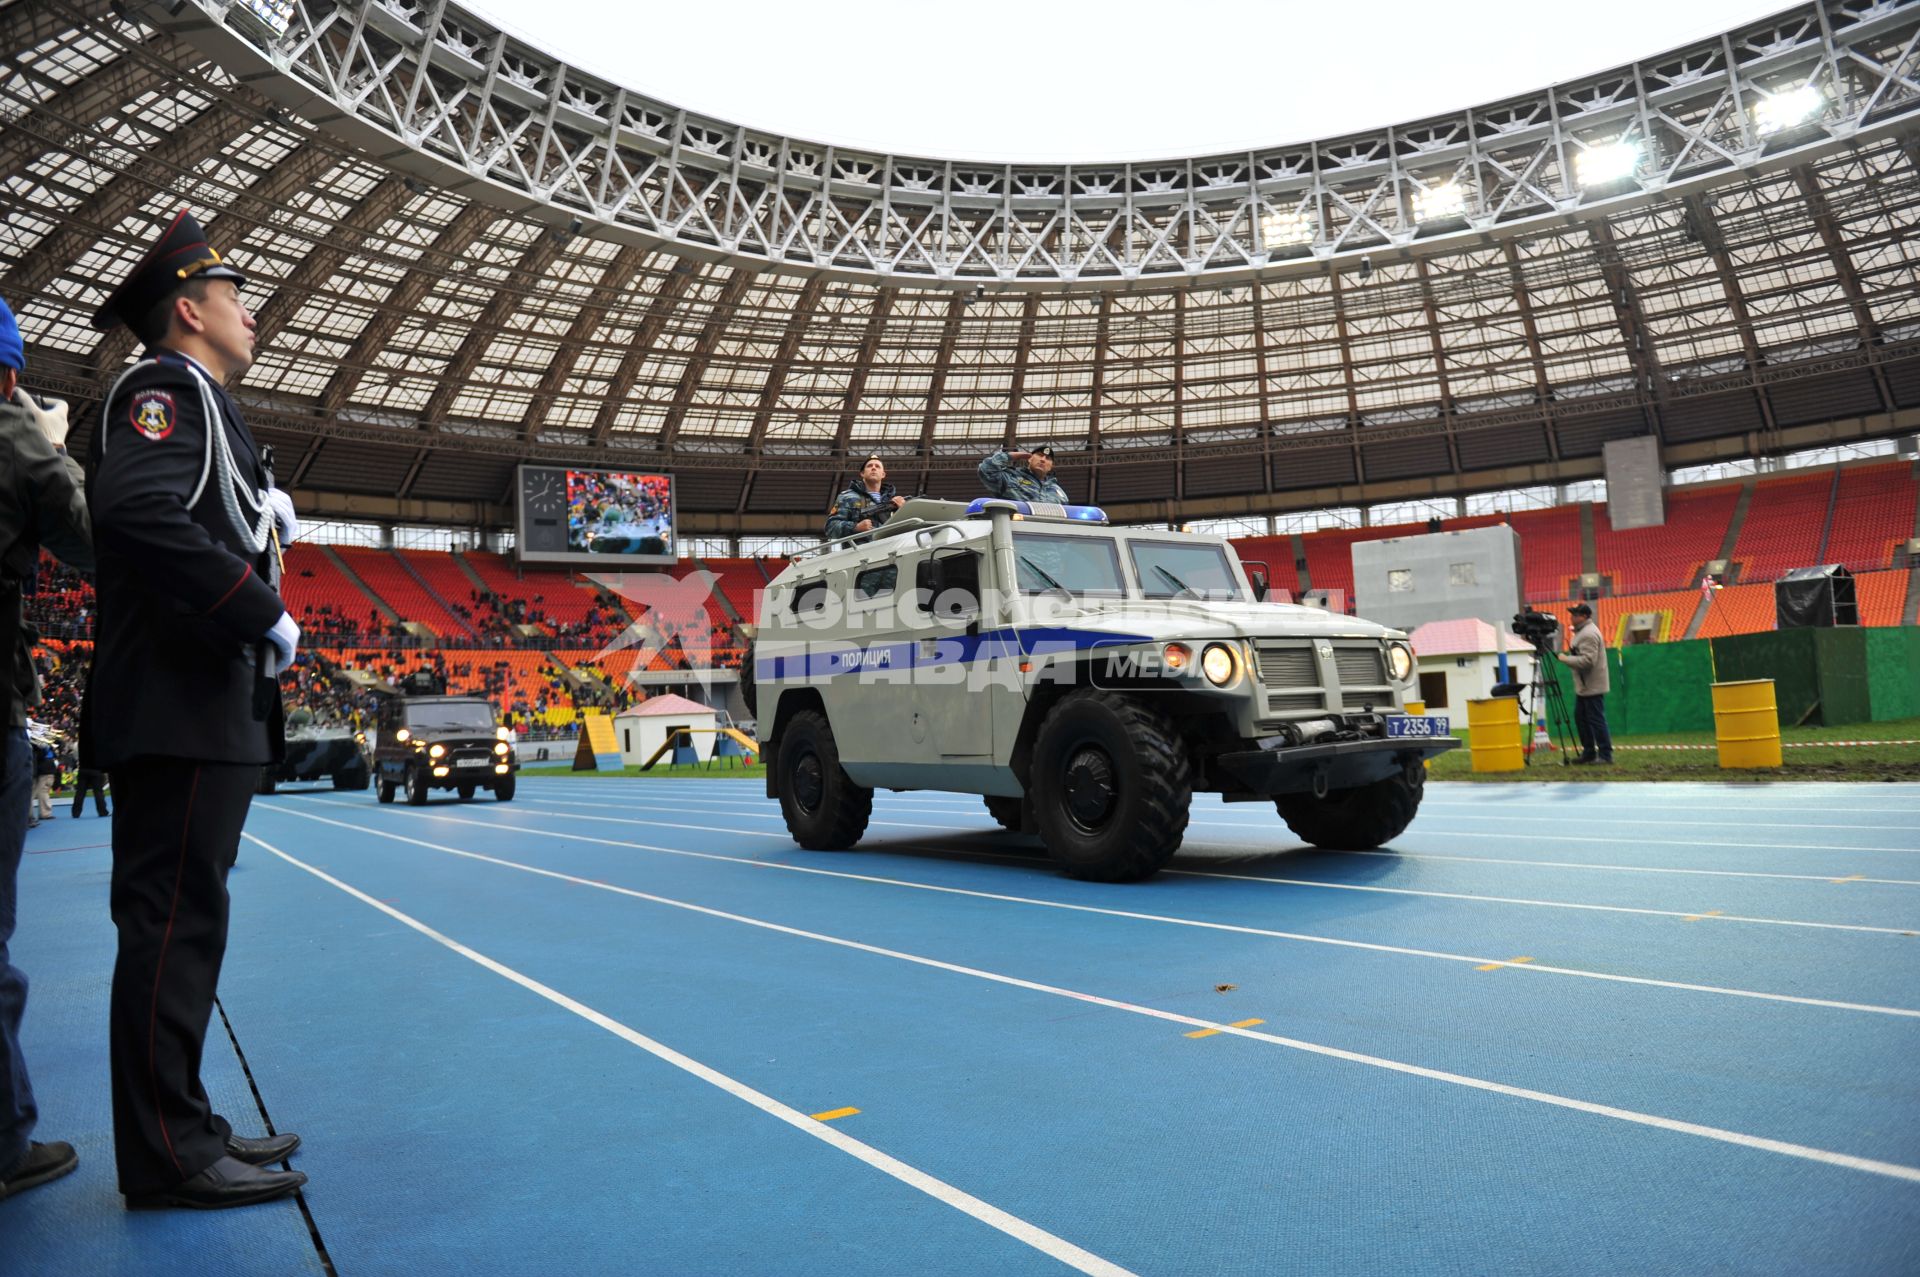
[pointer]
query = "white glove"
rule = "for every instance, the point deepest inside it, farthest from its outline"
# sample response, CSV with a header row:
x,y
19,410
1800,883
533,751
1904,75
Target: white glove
x,y
283,516
285,637
50,416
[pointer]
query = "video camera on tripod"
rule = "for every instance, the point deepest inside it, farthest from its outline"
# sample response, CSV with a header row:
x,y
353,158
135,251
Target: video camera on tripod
x,y
1538,629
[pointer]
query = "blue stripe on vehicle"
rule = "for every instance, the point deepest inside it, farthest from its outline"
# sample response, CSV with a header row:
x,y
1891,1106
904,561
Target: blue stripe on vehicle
x,y
841,657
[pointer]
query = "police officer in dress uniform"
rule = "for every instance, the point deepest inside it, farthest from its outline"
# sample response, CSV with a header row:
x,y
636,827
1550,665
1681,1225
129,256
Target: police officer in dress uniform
x,y
182,705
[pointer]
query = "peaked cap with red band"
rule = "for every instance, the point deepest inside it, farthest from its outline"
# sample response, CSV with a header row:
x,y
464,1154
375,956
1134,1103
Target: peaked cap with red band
x,y
180,254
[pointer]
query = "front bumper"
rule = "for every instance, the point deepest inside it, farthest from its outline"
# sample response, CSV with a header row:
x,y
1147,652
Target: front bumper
x,y
1278,768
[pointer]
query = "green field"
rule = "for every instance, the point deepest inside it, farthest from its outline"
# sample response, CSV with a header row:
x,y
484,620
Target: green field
x,y
1804,758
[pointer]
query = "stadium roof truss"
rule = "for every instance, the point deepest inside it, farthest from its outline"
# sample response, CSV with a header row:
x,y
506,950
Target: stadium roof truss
x,y
466,253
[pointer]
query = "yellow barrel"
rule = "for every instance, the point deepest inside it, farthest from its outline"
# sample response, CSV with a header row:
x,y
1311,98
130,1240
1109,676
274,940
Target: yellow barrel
x,y
1493,735
1746,724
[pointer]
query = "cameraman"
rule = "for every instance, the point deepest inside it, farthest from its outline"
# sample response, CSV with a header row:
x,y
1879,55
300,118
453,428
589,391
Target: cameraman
x,y
1586,656
868,502
40,504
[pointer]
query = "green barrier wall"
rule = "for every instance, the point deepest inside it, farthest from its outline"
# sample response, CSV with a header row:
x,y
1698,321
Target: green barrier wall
x,y
1819,675
1662,687
1893,671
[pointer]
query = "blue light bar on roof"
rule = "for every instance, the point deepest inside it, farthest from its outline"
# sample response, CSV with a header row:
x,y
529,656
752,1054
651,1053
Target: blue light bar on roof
x,y
1039,509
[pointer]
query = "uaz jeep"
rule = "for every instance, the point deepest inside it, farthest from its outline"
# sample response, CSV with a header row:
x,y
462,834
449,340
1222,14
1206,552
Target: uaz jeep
x,y
424,743
1084,679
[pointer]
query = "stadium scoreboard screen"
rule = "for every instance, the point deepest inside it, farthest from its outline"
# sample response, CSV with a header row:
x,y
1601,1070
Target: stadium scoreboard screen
x,y
595,518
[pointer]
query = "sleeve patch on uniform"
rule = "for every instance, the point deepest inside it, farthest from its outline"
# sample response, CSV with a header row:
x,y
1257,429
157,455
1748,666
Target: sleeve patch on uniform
x,y
152,414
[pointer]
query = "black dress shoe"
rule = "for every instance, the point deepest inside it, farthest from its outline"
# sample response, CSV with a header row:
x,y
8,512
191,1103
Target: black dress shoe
x,y
43,1162
261,1152
225,1183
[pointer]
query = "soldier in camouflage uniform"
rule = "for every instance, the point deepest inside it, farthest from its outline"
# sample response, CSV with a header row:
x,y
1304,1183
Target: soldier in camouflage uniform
x,y
1023,476
853,510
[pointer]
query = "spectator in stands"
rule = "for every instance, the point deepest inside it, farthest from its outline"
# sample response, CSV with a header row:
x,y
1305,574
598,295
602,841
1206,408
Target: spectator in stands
x,y
868,502
1586,656
1023,476
40,499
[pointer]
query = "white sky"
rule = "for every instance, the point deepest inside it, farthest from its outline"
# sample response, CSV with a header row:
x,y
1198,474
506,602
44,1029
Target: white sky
x,y
1124,79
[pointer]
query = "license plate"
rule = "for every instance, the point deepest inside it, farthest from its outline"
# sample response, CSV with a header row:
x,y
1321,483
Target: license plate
x,y
470,762
1406,725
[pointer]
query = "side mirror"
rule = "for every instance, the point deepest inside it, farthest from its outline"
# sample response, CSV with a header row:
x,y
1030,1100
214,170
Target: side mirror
x,y
1259,580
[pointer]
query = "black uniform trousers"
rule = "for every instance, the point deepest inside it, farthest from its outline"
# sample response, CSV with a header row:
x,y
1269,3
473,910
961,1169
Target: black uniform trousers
x,y
176,833
86,780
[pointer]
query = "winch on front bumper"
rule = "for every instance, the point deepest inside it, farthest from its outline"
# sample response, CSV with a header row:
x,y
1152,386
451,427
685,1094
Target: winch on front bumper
x,y
1351,754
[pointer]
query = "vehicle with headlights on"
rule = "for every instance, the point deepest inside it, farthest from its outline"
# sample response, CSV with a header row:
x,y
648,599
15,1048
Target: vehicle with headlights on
x,y
423,743
1084,679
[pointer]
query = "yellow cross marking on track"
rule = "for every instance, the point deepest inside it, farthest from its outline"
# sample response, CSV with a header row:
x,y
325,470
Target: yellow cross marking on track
x,y
1695,917
1495,966
1849,878
1238,1024
830,1114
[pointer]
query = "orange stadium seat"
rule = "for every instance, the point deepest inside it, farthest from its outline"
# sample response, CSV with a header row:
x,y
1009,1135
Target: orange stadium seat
x,y
1872,515
1673,555
1782,529
1882,596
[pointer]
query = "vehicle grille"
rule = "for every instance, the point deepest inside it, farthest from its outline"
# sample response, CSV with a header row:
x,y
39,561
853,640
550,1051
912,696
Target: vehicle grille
x,y
1360,666
1288,667
1291,675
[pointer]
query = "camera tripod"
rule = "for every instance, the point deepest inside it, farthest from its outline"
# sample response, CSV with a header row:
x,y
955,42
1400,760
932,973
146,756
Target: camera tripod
x,y
1559,719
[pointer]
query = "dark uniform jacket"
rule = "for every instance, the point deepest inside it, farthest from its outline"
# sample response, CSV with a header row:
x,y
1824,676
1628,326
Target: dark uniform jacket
x,y
184,603
41,504
855,504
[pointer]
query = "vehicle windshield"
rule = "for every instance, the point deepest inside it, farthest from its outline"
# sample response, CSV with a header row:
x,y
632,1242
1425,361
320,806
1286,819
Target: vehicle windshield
x,y
1077,565
476,716
1175,569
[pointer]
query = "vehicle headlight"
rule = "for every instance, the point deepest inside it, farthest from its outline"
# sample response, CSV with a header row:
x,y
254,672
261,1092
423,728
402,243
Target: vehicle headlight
x,y
501,748
403,735
1176,655
1219,664
1399,662
503,733
437,751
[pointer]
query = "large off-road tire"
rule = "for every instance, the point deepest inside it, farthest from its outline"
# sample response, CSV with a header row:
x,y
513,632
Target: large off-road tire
x,y
1004,810
1110,787
384,790
265,785
824,809
416,786
503,789
1358,819
352,778
466,793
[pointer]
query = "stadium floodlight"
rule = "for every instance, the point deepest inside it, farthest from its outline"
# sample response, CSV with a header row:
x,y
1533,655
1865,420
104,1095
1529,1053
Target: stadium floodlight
x,y
1777,112
1443,202
1283,228
1606,163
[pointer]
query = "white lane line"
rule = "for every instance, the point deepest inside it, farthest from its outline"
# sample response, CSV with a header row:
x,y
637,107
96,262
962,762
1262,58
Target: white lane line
x,y
1892,1170
1019,1229
1168,919
1419,830
1330,886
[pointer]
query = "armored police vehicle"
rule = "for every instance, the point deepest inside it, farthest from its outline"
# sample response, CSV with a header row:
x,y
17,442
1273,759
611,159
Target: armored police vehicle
x,y
434,741
1084,679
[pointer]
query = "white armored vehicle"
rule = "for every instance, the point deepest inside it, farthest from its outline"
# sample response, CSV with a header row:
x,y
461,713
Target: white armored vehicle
x,y
1084,679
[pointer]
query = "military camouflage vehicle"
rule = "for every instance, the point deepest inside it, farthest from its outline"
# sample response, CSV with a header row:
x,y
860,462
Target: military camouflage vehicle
x,y
337,754
1084,679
